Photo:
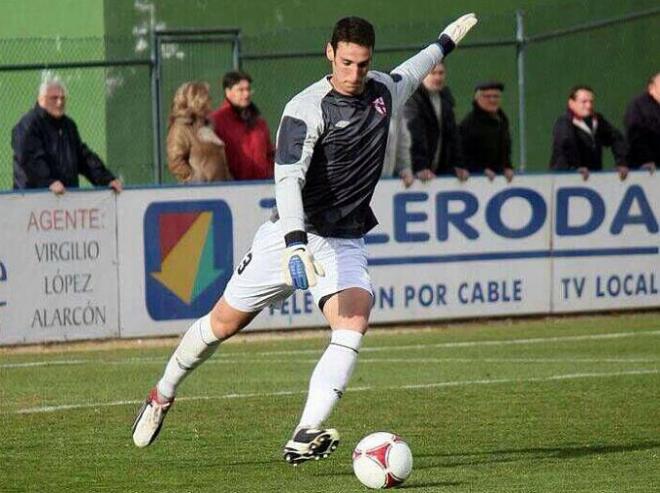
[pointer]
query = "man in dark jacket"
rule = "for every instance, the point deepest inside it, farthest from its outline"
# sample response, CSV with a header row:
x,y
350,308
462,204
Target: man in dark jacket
x,y
431,142
485,136
580,134
642,122
48,151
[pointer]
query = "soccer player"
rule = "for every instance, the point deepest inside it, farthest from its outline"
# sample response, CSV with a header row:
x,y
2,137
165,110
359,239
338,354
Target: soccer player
x,y
330,149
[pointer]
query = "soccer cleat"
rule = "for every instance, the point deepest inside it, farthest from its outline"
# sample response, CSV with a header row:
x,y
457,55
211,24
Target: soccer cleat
x,y
310,443
150,419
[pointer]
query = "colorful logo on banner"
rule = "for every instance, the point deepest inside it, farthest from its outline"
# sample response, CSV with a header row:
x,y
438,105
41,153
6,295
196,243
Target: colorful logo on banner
x,y
188,257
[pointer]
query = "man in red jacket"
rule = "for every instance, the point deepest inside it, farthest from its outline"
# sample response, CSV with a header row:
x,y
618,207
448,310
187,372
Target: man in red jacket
x,y
245,133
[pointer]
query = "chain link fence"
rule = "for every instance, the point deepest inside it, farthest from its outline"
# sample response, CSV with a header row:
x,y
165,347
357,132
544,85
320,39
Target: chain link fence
x,y
185,55
112,94
109,100
608,45
120,92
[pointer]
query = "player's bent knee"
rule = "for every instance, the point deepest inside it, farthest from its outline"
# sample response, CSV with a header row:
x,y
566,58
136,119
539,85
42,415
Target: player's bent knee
x,y
227,320
349,309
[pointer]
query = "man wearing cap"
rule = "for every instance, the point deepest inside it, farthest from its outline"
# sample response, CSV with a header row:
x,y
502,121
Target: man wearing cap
x,y
484,132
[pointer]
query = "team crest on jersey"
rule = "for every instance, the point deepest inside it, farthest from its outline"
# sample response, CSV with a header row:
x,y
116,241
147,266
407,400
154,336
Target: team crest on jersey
x,y
379,106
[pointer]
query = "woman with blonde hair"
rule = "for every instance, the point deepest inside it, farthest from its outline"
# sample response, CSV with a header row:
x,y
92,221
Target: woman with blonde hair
x,y
195,154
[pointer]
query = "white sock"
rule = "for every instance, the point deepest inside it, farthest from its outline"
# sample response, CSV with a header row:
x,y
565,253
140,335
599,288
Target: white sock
x,y
330,377
196,345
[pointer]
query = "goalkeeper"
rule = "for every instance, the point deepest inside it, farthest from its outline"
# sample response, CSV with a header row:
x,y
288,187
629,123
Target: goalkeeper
x,y
330,149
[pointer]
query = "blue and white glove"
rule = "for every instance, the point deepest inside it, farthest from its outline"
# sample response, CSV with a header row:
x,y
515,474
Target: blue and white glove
x,y
298,264
456,31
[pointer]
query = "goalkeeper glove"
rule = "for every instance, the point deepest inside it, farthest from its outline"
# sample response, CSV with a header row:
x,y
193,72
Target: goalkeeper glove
x,y
298,264
456,31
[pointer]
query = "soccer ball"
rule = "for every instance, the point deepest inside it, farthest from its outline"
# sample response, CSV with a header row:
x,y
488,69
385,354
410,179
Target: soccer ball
x,y
382,460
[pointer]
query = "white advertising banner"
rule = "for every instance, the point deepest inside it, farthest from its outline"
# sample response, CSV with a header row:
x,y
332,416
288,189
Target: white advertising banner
x,y
442,250
58,272
448,250
150,261
606,243
177,249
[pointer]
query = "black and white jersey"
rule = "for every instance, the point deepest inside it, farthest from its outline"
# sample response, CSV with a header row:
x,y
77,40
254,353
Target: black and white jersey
x,y
330,149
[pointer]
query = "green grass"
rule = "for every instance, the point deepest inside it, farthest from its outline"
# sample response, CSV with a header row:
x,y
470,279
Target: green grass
x,y
565,414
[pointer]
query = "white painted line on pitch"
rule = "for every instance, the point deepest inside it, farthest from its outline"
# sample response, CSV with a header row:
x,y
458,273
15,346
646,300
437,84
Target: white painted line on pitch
x,y
503,342
504,360
64,362
413,360
538,340
569,376
45,363
254,361
457,383
243,356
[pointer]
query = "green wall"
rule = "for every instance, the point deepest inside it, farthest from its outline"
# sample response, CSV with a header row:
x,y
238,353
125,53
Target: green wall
x,y
113,106
615,60
49,19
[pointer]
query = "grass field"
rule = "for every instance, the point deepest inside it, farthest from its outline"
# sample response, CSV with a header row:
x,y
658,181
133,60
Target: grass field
x,y
553,405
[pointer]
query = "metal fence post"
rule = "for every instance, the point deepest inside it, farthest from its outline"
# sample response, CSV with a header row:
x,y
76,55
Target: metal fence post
x,y
155,105
236,52
520,58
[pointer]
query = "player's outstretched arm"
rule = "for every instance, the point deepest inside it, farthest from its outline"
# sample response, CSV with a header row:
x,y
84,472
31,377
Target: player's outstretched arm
x,y
410,73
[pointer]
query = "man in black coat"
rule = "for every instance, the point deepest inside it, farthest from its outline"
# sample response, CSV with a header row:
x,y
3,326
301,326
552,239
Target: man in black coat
x,y
430,136
485,135
48,151
642,122
580,135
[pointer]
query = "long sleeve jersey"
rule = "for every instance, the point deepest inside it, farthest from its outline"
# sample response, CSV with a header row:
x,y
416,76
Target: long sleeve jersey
x,y
330,149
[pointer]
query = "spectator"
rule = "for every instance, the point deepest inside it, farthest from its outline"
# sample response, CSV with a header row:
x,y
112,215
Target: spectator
x,y
195,154
642,122
580,134
394,164
48,151
245,133
430,136
485,136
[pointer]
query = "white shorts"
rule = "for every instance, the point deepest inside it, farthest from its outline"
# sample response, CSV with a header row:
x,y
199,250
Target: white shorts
x,y
258,280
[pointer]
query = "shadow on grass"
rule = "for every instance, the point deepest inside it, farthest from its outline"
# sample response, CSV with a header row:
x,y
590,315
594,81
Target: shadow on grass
x,y
256,462
428,484
524,454
412,485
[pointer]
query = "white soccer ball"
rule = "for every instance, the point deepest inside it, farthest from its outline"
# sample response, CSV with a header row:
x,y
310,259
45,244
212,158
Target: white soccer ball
x,y
382,460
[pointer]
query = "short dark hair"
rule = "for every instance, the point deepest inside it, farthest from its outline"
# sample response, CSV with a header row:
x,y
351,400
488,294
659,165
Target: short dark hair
x,y
353,30
652,78
232,78
581,87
